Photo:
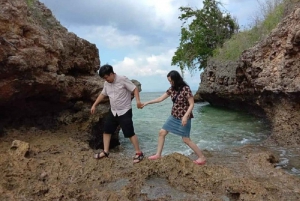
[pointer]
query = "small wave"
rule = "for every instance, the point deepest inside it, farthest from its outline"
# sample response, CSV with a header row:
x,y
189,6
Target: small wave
x,y
283,162
244,141
296,171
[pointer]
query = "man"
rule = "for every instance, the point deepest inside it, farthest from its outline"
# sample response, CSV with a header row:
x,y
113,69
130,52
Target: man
x,y
118,89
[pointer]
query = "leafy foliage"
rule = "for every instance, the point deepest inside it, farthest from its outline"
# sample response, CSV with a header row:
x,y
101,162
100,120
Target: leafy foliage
x,y
209,28
272,12
30,2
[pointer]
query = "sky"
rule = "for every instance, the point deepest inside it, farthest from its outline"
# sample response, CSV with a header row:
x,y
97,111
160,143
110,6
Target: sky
x,y
138,37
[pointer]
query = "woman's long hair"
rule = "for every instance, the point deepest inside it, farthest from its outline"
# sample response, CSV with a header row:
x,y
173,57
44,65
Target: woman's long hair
x,y
178,82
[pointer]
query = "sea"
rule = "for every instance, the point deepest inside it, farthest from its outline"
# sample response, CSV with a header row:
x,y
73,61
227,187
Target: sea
x,y
213,129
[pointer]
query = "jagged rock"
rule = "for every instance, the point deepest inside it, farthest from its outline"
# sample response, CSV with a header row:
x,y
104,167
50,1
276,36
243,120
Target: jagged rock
x,y
265,81
19,148
48,76
44,68
197,97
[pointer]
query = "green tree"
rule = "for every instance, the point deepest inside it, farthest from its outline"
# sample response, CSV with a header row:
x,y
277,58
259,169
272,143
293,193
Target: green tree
x,y
209,28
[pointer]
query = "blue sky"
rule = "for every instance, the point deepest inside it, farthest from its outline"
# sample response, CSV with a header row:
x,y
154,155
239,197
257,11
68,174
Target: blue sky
x,y
138,38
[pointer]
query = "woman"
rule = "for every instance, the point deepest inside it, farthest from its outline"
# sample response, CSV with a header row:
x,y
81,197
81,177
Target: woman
x,y
179,122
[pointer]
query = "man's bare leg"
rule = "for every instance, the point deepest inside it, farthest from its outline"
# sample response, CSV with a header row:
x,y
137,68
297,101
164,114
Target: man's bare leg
x,y
105,152
138,153
106,141
135,142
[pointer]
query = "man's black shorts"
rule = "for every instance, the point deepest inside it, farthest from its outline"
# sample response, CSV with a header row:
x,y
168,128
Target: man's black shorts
x,y
125,121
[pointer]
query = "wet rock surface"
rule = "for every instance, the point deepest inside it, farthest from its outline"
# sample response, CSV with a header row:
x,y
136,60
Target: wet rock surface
x,y
60,166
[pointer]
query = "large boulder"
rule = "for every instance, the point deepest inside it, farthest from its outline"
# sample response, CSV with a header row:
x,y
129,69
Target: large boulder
x,y
48,76
44,68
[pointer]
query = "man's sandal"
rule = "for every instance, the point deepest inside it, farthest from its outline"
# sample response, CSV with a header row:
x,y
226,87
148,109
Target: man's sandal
x,y
100,155
138,157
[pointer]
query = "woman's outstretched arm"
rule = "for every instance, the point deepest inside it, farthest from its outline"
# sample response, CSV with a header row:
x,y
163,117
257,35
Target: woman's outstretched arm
x,y
157,100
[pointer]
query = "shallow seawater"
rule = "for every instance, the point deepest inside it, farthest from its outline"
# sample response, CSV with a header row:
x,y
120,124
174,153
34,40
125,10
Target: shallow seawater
x,y
288,159
213,129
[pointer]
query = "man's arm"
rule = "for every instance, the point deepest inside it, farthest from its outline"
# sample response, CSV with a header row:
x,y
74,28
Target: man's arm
x,y
137,97
98,100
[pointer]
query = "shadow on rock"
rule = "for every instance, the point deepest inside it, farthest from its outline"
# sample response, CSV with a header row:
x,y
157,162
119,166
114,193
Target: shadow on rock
x,y
96,141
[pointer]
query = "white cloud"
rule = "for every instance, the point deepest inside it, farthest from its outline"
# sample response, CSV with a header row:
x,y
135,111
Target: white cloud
x,y
166,13
151,71
145,65
112,37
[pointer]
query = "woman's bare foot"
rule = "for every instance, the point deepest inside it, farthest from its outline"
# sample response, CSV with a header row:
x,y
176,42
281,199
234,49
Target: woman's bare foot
x,y
200,161
154,157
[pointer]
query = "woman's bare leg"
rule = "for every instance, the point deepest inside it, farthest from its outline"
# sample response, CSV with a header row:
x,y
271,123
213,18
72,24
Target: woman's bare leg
x,y
195,148
161,140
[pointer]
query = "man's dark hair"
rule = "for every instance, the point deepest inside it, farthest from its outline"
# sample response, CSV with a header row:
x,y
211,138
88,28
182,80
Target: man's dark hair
x,y
105,70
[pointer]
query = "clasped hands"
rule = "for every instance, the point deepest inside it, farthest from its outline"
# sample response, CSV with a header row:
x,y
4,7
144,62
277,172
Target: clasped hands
x,y
141,105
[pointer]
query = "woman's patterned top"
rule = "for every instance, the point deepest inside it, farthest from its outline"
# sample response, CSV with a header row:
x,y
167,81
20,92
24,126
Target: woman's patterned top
x,y
181,104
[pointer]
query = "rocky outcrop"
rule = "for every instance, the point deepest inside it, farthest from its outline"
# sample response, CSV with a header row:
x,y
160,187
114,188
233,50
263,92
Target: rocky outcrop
x,y
44,68
48,76
265,81
197,97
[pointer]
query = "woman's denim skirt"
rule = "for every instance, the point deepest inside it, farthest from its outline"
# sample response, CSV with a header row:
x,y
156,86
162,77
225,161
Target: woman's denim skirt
x,y
174,126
